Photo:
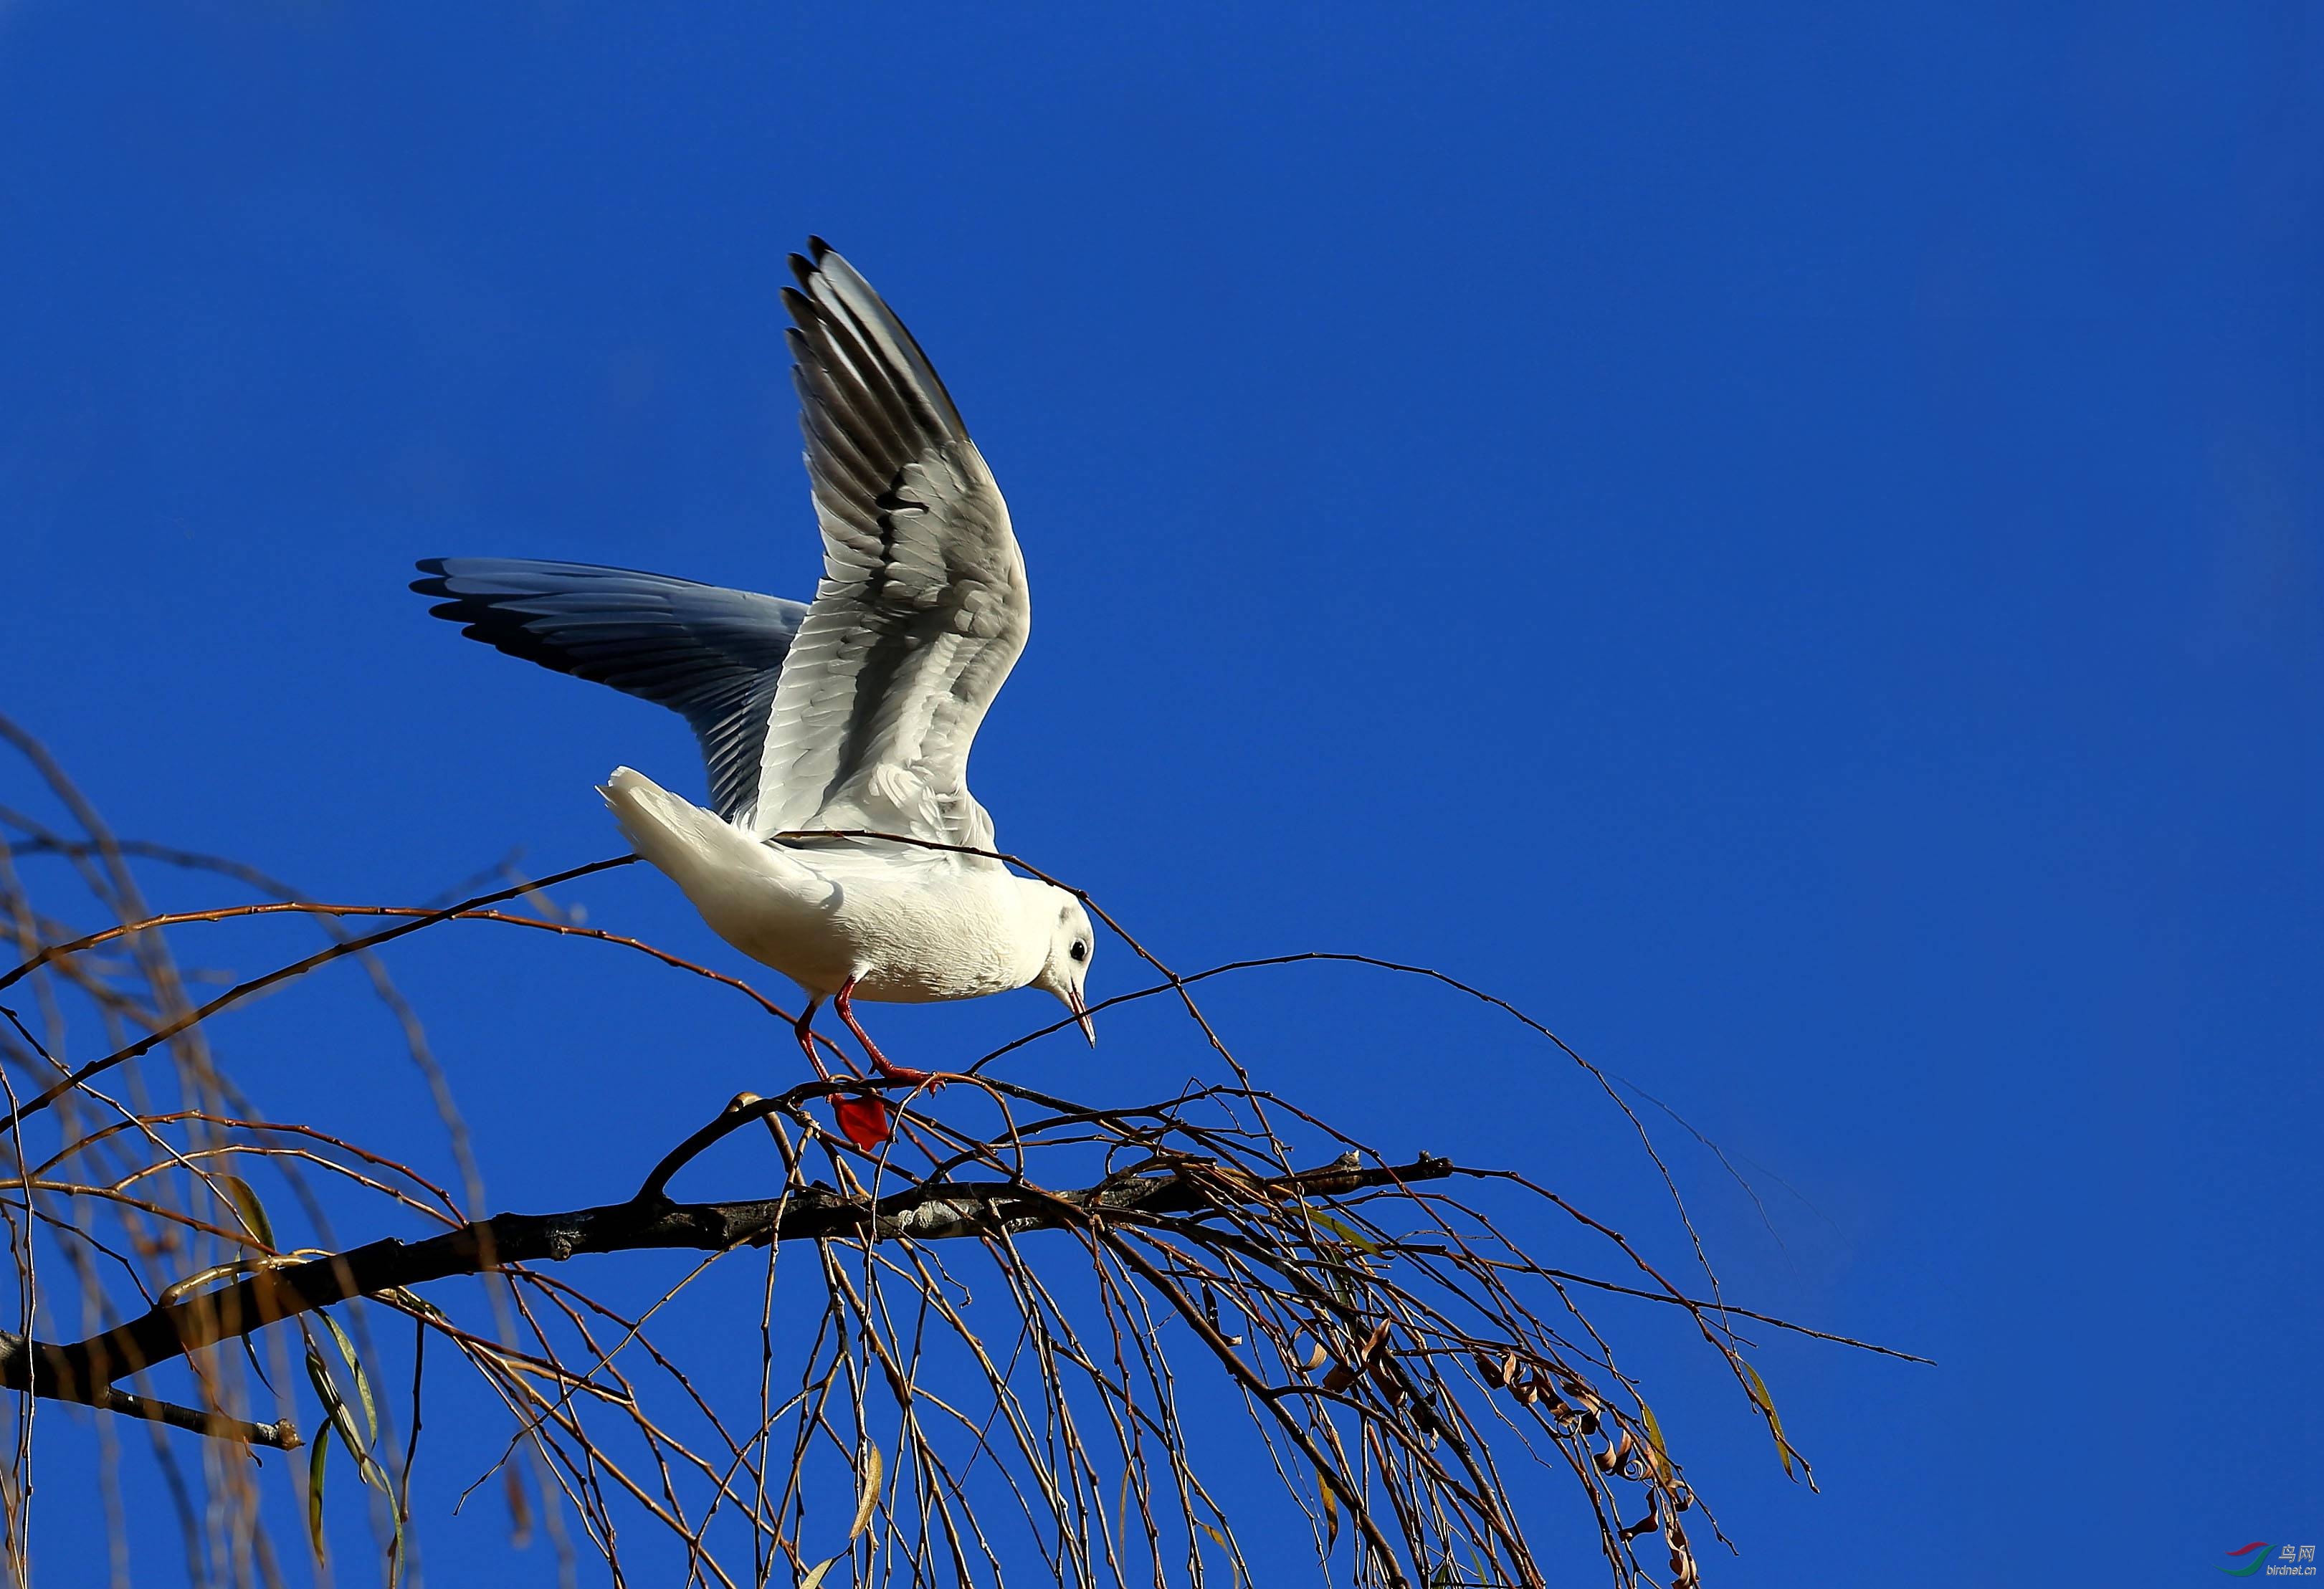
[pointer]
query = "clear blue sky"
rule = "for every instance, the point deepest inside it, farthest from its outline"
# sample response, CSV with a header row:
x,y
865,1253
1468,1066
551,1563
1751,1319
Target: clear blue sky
x,y
1786,546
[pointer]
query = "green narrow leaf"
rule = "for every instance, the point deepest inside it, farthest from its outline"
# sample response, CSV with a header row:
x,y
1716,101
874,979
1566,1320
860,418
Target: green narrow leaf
x,y
1330,1511
246,1204
335,1406
1775,1419
1654,1440
355,1367
315,1490
368,1467
1344,1231
1215,1534
396,1546
815,1574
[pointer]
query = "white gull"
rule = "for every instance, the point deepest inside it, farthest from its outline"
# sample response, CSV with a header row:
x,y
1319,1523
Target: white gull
x,y
853,714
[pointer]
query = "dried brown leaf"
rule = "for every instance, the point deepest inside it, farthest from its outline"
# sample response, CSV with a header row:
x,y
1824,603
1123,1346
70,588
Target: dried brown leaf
x,y
867,1491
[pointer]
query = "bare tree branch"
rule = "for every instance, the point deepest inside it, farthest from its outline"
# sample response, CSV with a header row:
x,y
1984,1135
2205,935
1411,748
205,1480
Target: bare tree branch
x,y
84,1372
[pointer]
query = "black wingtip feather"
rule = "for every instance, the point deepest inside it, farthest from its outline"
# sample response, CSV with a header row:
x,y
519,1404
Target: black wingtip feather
x,y
818,247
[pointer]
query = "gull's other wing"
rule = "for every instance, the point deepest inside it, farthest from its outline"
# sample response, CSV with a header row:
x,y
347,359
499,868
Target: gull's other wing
x,y
710,655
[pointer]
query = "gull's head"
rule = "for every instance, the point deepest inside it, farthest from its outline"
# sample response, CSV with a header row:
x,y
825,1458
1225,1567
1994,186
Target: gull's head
x,y
1064,970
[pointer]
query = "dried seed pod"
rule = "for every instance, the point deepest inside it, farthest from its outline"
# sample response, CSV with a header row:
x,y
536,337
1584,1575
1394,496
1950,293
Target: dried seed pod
x,y
1536,1388
1500,1374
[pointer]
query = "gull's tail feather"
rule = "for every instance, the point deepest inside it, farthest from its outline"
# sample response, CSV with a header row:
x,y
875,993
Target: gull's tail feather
x,y
667,829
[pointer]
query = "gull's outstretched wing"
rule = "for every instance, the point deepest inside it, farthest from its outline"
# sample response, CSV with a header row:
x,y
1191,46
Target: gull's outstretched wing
x,y
710,655
923,608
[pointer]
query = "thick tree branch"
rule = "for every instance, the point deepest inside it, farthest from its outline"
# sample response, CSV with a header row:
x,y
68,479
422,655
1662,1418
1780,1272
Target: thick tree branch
x,y
84,1372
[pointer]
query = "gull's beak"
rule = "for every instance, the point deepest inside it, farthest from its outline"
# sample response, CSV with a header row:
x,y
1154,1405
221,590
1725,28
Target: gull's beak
x,y
1080,1014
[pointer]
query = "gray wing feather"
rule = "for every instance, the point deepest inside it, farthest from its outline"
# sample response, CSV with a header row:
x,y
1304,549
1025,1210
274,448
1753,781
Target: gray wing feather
x,y
922,606
711,656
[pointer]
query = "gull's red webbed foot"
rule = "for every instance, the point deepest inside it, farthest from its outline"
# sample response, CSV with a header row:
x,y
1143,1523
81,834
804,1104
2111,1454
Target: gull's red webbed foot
x,y
930,1080
844,1003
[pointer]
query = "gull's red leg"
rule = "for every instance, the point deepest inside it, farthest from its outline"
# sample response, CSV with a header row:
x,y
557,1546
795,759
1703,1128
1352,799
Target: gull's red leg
x,y
802,1029
863,1118
843,1002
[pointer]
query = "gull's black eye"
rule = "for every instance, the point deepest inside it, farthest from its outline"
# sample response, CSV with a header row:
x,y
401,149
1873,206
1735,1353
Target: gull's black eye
x,y
1080,949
